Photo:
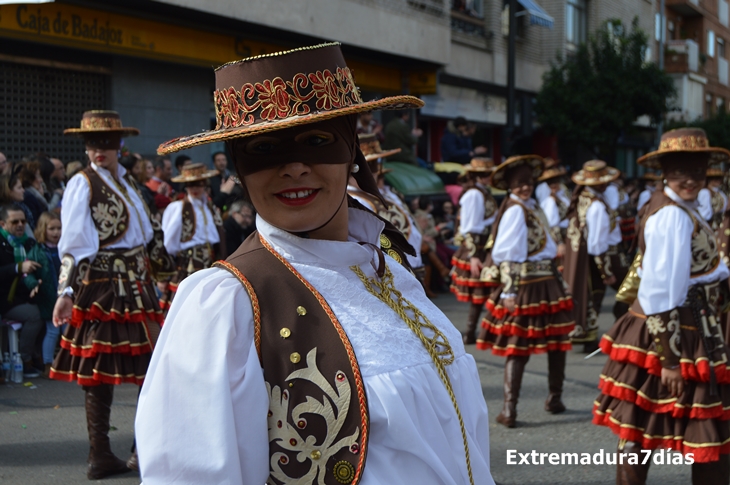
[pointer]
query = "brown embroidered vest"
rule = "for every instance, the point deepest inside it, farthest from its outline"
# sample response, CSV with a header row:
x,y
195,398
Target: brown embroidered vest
x,y
717,202
562,208
490,206
705,254
188,221
577,228
318,412
109,211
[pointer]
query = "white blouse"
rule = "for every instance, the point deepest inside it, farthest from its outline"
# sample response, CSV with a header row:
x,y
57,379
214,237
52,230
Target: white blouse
x,y
205,228
598,224
542,192
704,198
472,212
511,242
665,267
79,237
414,238
550,207
644,196
202,413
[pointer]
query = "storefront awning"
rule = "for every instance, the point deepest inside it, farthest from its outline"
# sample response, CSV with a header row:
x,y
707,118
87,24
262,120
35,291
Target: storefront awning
x,y
538,16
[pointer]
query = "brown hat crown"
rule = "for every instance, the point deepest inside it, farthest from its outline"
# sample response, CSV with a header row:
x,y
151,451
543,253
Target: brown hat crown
x,y
193,172
685,140
370,147
101,121
499,176
284,89
480,165
596,172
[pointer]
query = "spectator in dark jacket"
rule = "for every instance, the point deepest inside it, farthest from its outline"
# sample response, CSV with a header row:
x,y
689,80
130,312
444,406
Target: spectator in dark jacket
x,y
239,225
15,298
456,145
223,188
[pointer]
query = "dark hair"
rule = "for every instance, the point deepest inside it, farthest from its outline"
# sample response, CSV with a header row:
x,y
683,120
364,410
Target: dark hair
x,y
128,162
27,174
5,208
180,161
423,202
159,163
459,121
212,157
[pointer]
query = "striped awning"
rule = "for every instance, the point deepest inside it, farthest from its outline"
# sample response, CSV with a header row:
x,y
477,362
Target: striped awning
x,y
538,16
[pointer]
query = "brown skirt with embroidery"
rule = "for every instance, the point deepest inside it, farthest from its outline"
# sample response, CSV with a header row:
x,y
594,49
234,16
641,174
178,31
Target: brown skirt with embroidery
x,y
115,322
637,407
542,319
463,285
187,262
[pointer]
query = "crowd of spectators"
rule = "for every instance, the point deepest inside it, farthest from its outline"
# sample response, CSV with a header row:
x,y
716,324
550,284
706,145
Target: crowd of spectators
x,y
31,200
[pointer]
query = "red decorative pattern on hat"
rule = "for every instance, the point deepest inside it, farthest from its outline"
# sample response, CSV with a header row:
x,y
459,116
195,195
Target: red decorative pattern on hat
x,y
276,99
684,143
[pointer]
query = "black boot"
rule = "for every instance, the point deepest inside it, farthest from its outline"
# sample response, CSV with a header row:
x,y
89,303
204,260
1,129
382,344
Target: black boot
x,y
631,474
469,335
556,376
102,462
713,473
514,368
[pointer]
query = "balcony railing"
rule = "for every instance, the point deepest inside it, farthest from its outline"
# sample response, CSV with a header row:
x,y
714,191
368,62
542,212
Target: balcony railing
x,y
467,24
682,56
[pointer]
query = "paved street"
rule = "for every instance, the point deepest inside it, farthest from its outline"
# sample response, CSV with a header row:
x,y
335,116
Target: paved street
x,y
43,432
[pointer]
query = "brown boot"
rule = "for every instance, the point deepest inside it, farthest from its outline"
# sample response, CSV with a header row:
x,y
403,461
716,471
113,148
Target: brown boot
x,y
102,462
427,282
713,473
556,376
513,370
469,335
632,474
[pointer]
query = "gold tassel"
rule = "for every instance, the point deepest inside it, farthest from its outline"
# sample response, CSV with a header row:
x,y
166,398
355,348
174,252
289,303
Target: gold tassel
x,y
191,266
120,269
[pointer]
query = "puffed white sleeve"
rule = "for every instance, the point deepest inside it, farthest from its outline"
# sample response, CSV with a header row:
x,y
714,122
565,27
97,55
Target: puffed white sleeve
x,y
511,241
599,227
172,227
667,261
612,197
472,212
550,208
202,412
705,200
542,192
644,197
79,237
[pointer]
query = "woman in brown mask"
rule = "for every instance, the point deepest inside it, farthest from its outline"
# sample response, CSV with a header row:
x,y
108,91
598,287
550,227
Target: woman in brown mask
x,y
320,346
667,381
529,312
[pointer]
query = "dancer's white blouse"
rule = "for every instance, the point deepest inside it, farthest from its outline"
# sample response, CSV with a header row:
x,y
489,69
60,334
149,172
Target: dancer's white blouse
x,y
202,414
172,225
472,212
79,237
511,241
665,267
644,196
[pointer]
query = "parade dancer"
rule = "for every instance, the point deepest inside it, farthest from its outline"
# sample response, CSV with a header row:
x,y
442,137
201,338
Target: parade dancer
x,y
712,200
322,360
653,183
530,312
587,264
477,210
667,381
105,289
192,228
555,206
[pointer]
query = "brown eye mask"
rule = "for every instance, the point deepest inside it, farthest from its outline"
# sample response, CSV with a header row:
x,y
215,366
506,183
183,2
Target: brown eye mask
x,y
685,168
519,176
335,145
104,142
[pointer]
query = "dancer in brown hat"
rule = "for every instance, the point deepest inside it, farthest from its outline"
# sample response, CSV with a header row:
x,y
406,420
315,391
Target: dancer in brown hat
x,y
106,292
667,381
477,210
529,312
192,228
712,200
323,359
587,263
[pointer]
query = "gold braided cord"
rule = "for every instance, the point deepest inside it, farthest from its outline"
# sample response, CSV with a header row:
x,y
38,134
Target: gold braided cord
x,y
437,346
279,53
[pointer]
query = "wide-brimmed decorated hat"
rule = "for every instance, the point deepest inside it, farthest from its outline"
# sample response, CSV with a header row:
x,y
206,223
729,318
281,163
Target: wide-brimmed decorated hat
x,y
194,172
100,122
652,177
553,170
715,173
595,172
284,89
499,179
370,147
684,140
479,165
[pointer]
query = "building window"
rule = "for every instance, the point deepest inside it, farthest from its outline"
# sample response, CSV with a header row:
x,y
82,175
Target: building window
x,y
708,106
720,104
710,43
721,47
575,22
473,8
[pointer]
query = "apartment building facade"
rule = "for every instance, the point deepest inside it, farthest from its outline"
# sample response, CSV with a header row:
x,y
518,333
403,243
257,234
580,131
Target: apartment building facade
x,y
152,61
